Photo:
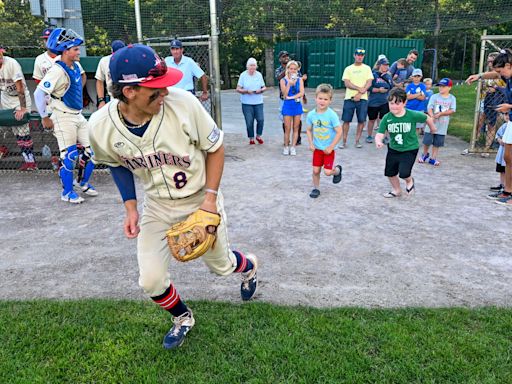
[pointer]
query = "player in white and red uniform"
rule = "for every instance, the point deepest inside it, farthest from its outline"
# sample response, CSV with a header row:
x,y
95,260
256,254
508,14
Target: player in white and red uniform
x,y
167,139
15,95
45,60
102,76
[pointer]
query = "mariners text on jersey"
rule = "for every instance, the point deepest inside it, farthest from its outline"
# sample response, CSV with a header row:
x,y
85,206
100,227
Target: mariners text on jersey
x,y
155,160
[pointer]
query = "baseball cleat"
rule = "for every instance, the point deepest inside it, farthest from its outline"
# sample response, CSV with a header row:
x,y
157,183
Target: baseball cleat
x,y
176,335
249,279
88,189
71,197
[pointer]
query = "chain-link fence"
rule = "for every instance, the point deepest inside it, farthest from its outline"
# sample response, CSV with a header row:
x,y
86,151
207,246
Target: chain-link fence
x,y
199,49
490,94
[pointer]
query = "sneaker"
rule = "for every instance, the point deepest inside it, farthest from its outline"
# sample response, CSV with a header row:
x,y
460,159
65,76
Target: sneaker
x,y
465,152
359,145
71,197
259,140
337,178
314,193
293,151
369,139
252,142
342,145
3,151
249,279
181,326
88,189
505,201
286,151
28,167
498,188
498,196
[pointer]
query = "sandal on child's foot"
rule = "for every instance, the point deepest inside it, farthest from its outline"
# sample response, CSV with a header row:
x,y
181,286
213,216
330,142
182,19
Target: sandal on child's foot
x,y
391,195
434,162
410,190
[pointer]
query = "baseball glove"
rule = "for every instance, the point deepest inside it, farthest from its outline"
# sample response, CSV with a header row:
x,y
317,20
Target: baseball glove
x,y
191,238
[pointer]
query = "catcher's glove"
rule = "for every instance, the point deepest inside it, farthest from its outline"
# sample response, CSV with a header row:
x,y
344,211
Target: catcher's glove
x,y
191,238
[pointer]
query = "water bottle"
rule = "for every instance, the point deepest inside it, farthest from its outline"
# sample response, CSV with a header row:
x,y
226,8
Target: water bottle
x,y
46,152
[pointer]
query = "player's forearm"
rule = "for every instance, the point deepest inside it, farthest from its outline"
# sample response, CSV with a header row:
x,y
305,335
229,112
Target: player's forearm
x,y
21,94
204,83
431,125
214,168
40,100
339,134
100,89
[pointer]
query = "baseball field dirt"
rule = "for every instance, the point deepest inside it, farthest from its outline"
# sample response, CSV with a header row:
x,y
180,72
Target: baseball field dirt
x,y
445,246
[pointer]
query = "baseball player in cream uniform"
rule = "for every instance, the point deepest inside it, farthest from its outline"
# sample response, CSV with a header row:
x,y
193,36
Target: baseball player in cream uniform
x,y
102,76
167,139
15,95
45,60
64,83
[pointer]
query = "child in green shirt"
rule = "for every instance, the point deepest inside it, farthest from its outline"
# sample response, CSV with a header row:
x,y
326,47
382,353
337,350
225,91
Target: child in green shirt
x,y
403,146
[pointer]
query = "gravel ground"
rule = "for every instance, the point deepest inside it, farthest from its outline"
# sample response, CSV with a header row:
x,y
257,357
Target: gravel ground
x,y
446,246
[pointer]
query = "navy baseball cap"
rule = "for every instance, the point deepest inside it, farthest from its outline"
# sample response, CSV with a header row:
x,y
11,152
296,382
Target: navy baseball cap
x,y
360,51
283,53
176,44
46,33
117,45
383,61
138,64
445,82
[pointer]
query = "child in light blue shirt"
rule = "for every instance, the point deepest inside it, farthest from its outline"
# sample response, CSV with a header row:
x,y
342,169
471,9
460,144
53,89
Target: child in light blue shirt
x,y
324,132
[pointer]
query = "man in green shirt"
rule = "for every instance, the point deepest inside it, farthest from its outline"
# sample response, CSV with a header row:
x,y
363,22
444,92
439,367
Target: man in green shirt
x,y
403,146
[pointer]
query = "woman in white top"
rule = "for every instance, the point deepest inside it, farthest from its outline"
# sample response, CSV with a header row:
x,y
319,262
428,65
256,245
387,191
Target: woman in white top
x,y
251,86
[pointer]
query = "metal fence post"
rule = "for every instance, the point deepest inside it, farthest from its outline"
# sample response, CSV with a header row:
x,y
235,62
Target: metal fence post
x,y
216,63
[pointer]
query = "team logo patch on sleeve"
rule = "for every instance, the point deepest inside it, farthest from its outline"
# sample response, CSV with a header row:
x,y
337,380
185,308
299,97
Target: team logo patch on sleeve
x,y
214,135
47,84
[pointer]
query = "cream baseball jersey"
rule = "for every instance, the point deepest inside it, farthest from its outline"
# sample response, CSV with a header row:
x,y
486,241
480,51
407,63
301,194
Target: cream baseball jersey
x,y
42,65
169,158
10,73
56,83
103,73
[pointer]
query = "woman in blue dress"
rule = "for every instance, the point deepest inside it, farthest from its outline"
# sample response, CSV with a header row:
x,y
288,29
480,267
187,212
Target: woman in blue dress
x,y
292,87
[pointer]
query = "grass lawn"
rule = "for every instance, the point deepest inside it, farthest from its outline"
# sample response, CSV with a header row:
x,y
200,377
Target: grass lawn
x,y
108,341
461,122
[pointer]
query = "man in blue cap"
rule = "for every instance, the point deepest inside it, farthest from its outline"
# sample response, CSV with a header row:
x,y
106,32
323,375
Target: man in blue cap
x,y
190,69
162,135
102,76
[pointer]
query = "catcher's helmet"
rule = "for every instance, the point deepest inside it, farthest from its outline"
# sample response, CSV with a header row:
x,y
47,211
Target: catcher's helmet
x,y
61,39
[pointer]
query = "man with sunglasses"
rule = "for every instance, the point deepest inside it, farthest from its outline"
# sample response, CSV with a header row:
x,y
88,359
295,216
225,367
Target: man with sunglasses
x,y
166,138
358,78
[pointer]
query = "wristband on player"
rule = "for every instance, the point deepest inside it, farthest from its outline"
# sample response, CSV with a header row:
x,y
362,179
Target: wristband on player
x,y
208,190
100,100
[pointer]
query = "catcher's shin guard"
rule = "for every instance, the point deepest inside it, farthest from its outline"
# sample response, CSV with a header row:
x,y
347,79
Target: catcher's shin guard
x,y
68,156
86,166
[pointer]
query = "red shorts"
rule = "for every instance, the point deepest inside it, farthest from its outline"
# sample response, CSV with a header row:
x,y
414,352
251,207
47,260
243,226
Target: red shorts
x,y
321,159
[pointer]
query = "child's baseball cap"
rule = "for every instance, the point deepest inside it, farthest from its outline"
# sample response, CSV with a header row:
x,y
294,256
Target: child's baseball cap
x,y
417,72
138,64
445,82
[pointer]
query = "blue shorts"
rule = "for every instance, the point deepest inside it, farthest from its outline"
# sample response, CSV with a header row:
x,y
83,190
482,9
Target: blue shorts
x,y
433,139
361,108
